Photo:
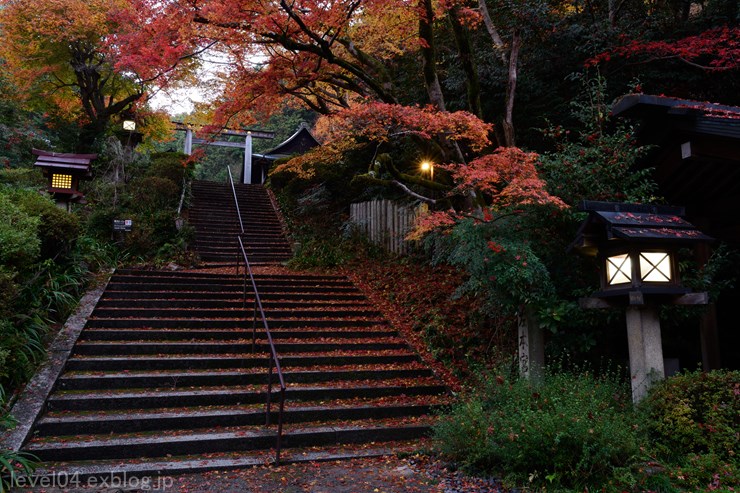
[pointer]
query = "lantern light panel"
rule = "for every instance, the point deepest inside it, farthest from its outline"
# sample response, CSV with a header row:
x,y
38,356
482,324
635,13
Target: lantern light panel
x,y
61,181
619,269
655,266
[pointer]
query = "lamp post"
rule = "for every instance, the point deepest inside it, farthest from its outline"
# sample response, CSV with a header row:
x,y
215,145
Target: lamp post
x,y
635,246
428,167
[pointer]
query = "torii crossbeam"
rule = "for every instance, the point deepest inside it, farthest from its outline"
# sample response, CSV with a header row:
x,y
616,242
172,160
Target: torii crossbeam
x,y
247,145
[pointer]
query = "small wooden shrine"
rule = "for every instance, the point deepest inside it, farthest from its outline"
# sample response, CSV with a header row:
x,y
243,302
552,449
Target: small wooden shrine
x,y
64,172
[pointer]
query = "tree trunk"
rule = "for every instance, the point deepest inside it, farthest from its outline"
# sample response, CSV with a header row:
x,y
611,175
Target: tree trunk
x,y
498,43
428,54
508,123
465,51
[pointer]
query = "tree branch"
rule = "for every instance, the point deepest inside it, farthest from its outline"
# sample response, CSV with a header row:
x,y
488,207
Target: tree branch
x,y
377,181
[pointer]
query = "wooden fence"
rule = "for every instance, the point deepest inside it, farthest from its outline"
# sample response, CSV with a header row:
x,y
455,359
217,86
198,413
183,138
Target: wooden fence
x,y
385,222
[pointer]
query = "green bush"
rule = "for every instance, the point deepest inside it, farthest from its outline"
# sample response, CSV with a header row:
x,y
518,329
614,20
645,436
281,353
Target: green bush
x,y
170,165
57,228
8,292
569,431
22,177
19,241
153,194
695,413
100,222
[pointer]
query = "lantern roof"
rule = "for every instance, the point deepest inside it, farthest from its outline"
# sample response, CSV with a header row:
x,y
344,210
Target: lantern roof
x,y
74,163
614,221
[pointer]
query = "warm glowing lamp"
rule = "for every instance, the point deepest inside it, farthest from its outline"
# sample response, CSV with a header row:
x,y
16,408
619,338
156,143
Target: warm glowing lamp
x,y
428,167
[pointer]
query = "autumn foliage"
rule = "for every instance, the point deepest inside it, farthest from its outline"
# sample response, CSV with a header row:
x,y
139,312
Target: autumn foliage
x,y
508,176
717,49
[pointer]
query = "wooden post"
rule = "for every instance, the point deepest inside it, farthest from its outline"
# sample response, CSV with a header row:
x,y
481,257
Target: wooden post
x,y
531,345
645,348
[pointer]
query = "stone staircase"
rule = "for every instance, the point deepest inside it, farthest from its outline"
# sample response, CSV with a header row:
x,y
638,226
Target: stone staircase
x,y
213,214
163,378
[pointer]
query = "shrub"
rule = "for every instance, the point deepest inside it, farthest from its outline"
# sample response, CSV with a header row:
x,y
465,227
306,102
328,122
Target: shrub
x,y
22,177
57,227
170,165
153,194
695,413
571,430
19,242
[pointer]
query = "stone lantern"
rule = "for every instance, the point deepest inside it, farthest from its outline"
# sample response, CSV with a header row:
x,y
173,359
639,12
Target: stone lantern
x,y
635,246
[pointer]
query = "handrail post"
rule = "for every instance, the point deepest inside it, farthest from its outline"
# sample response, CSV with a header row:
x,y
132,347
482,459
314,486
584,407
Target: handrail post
x,y
254,325
280,426
269,393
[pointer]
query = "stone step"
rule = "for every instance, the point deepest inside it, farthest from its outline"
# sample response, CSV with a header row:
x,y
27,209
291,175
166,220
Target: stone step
x,y
233,295
135,421
256,250
224,239
232,378
159,445
259,277
140,312
225,335
231,280
232,286
235,323
86,348
195,362
226,304
153,399
114,472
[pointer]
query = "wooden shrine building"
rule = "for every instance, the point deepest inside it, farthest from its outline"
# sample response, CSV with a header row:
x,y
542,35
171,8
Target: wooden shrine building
x,y
696,162
298,143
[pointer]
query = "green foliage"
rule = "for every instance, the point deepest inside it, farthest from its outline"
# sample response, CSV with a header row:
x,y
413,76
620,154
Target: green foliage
x,y
57,228
315,217
319,251
19,241
147,191
695,413
171,165
154,193
22,177
569,431
14,464
504,269
599,162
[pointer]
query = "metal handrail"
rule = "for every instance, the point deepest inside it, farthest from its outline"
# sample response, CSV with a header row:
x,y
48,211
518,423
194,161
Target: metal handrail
x,y
274,359
236,202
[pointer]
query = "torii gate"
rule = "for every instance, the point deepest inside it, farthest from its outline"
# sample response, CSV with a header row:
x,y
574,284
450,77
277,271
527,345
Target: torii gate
x,y
247,145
